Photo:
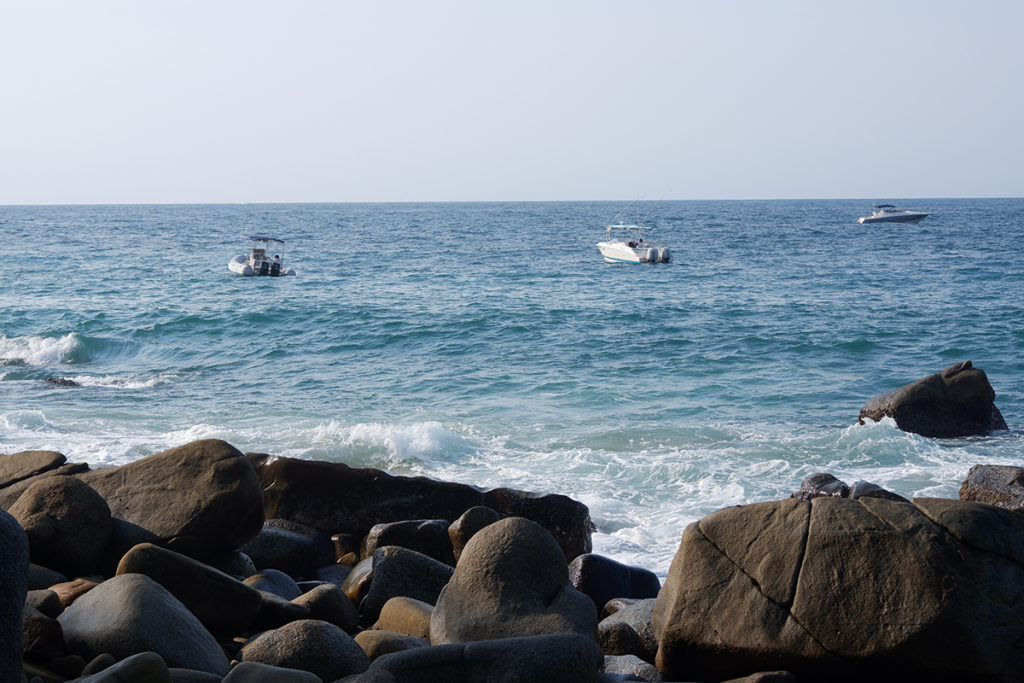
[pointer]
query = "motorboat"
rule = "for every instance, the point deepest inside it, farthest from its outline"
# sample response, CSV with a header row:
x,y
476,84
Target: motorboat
x,y
258,260
626,244
887,213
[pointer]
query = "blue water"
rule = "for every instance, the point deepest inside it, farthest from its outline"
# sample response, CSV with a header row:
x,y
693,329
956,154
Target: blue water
x,y
490,344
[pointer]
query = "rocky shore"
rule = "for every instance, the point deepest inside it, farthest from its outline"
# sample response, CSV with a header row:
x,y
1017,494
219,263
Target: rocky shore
x,y
205,564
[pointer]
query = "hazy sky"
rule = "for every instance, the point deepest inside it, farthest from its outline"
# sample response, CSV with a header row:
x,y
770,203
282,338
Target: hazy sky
x,y
253,101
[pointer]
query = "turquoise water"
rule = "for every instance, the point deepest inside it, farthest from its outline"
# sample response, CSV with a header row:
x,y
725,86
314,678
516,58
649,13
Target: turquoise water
x,y
490,344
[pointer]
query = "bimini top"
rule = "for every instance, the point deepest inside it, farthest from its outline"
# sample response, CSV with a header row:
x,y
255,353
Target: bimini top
x,y
263,238
885,206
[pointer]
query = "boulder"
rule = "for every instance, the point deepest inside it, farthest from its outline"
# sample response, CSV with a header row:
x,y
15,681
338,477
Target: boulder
x,y
472,520
329,603
130,614
999,485
254,672
427,536
67,524
631,668
823,484
223,604
40,577
402,572
406,615
41,634
147,667
27,464
602,578
377,643
628,631
274,581
46,601
13,591
336,498
275,612
512,580
282,549
11,493
956,402
308,645
840,589
202,499
563,657
69,591
357,583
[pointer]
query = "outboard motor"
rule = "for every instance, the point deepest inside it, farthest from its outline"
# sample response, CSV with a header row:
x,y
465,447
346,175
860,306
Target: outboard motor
x,y
652,255
264,268
664,255
275,269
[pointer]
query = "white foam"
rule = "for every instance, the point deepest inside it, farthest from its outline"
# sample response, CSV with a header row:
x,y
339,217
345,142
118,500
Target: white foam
x,y
37,350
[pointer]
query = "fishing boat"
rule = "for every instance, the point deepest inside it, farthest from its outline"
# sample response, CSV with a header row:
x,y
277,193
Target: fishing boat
x,y
887,213
626,243
258,260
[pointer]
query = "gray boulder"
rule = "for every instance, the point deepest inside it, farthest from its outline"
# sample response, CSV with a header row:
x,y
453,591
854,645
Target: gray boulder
x,y
254,672
470,522
564,657
13,590
282,549
67,524
427,536
630,668
337,499
837,588
145,667
26,464
602,578
628,631
959,401
329,603
308,645
999,485
223,604
402,572
377,642
202,499
274,581
41,634
130,614
512,580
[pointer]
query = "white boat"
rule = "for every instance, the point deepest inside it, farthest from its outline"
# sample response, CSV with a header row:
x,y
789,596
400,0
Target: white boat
x,y
626,244
887,213
258,261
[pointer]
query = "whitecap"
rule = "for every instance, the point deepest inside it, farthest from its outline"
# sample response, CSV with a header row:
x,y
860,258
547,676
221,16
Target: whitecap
x,y
36,350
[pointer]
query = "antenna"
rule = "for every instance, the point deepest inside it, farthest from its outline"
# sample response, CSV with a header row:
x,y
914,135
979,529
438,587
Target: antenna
x,y
624,210
644,219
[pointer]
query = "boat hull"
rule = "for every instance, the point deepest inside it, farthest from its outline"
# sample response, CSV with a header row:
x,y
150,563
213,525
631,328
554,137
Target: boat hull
x,y
240,266
908,217
615,251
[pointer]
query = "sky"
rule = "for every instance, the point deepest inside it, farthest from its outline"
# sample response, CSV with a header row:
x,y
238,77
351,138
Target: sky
x,y
337,101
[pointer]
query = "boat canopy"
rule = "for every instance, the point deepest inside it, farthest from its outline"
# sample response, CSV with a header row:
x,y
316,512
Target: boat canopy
x,y
263,238
885,206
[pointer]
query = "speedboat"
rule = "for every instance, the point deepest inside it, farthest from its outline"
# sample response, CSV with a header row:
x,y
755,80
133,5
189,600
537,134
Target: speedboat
x,y
626,244
887,213
258,260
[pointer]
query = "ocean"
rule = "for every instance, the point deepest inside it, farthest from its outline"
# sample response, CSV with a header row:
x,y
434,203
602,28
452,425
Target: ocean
x,y
489,344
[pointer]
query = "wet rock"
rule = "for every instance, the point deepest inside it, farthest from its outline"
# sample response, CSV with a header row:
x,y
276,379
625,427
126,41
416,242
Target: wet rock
x,y
628,631
202,499
821,484
959,401
336,498
512,580
62,382
999,485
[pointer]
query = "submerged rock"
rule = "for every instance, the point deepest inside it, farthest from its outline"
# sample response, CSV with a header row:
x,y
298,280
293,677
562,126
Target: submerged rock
x,y
959,401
